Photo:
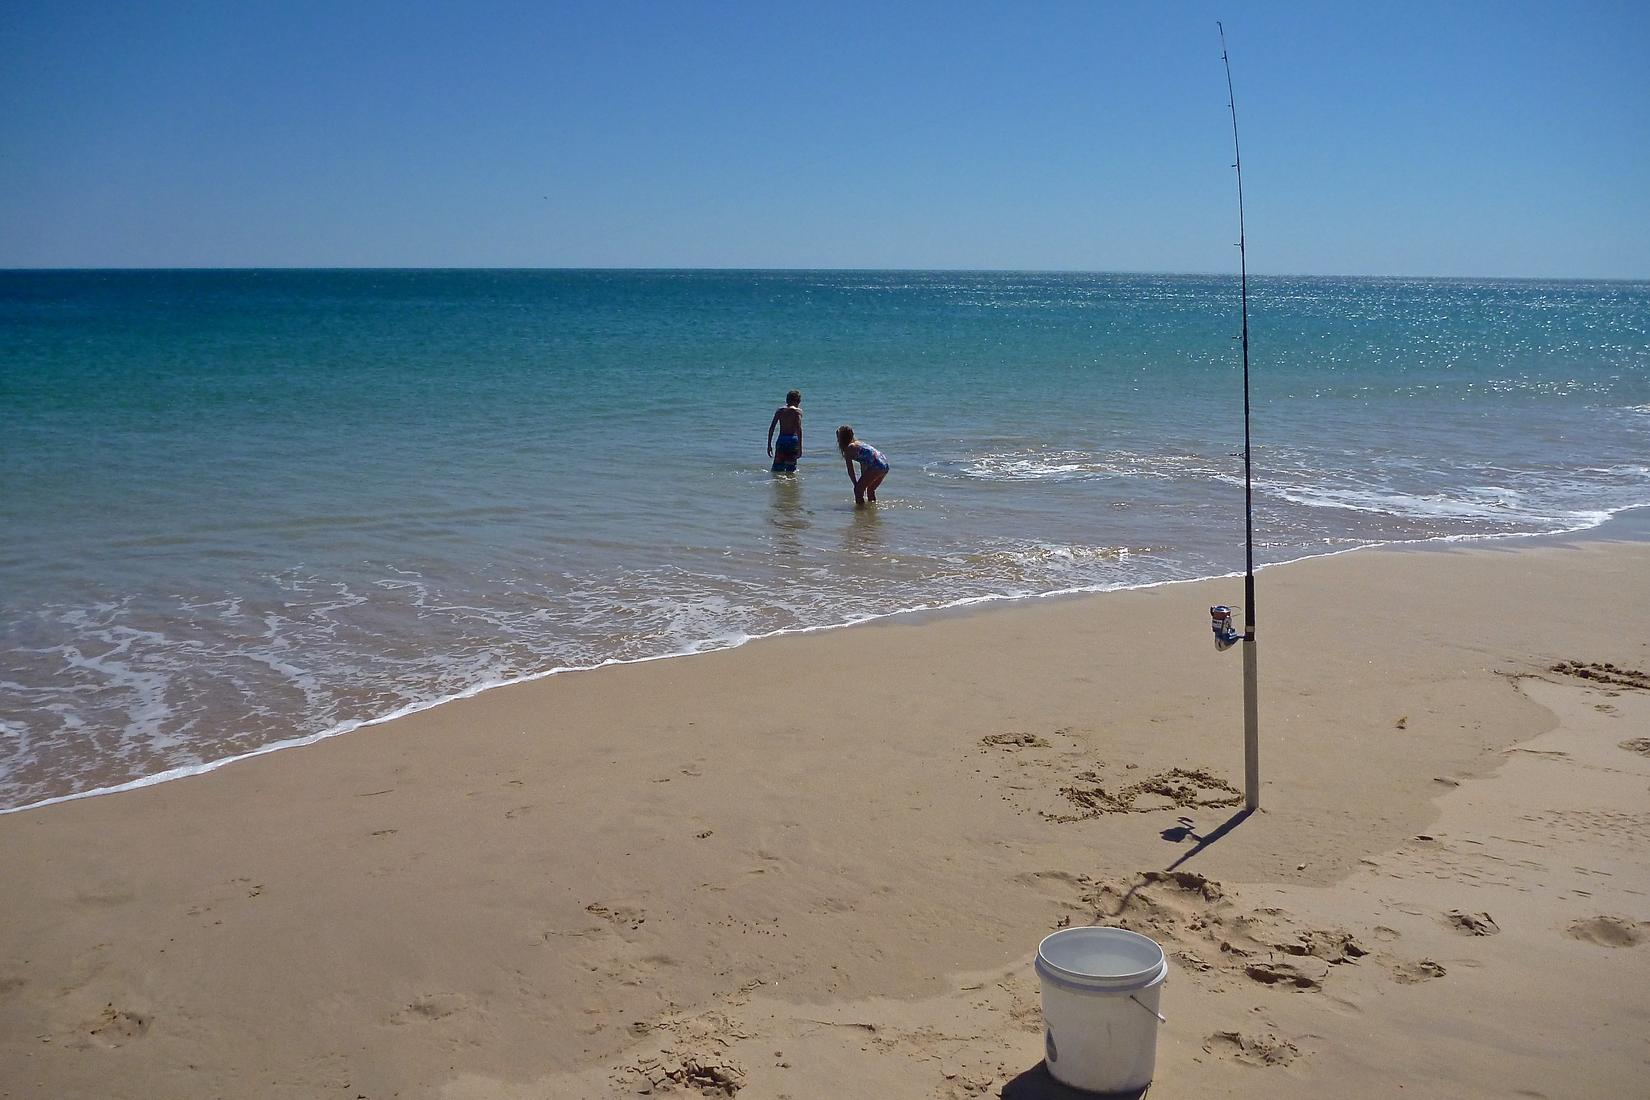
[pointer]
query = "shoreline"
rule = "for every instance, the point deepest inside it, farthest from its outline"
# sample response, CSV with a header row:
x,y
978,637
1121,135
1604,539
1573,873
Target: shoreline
x,y
843,846
1631,524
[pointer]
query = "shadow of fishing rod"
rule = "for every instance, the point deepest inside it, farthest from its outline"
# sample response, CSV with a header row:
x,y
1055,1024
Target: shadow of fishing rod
x,y
1206,839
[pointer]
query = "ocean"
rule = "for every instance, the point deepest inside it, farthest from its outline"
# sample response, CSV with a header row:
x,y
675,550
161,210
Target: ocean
x,y
245,509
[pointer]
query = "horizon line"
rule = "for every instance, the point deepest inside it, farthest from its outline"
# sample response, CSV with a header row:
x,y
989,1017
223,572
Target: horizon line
x,y
66,268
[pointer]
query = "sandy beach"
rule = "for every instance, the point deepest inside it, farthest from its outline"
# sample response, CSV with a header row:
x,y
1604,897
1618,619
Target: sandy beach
x,y
819,865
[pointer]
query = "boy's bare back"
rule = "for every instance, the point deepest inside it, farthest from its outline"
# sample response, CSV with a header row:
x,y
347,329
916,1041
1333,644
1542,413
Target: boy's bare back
x,y
789,419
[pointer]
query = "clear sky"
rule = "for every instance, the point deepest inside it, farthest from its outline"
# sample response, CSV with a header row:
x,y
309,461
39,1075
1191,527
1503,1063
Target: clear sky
x,y
1436,138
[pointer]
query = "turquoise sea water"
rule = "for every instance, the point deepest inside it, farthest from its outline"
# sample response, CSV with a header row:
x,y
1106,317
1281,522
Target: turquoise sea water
x,y
246,507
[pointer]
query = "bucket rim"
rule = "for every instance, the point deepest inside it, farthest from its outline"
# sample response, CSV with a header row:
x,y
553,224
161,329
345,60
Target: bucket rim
x,y
1101,983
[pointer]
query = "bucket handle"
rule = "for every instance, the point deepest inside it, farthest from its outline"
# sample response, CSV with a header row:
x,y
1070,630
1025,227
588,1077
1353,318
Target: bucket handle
x,y
1162,1019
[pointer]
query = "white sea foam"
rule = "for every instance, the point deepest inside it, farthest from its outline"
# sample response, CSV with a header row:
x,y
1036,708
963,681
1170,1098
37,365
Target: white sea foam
x,y
1069,465
1544,502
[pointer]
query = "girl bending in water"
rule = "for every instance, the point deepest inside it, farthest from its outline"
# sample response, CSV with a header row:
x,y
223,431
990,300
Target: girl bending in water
x,y
873,464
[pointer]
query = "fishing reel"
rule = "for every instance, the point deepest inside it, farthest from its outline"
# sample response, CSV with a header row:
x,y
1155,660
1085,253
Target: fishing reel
x,y
1220,621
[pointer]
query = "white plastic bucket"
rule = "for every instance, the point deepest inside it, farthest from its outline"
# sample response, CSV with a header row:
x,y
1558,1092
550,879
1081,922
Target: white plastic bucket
x,y
1100,996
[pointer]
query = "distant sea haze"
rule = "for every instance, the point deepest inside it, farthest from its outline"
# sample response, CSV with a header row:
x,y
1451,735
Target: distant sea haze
x,y
248,507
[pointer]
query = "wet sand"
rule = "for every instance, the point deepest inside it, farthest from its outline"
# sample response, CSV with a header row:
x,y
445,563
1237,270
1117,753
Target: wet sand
x,y
818,866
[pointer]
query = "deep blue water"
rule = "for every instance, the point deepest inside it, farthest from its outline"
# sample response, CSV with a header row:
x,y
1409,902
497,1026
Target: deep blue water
x,y
247,506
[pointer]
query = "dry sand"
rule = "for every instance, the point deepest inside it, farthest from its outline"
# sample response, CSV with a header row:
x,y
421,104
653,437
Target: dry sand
x,y
818,866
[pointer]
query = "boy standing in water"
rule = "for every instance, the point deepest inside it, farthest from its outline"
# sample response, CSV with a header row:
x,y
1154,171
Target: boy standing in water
x,y
788,447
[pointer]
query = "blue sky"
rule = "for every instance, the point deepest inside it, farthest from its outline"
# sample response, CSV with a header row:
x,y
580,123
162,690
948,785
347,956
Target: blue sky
x,y
1494,139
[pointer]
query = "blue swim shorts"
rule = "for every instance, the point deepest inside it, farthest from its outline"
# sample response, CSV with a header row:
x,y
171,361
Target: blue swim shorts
x,y
785,451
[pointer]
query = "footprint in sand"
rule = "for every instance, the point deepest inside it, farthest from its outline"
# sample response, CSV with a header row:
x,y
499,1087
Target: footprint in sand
x,y
691,1055
1333,947
1282,973
117,1027
1160,900
1471,924
704,1073
1610,931
1640,745
1015,741
1195,920
625,915
1413,973
1605,673
431,1006
1254,1050
1177,788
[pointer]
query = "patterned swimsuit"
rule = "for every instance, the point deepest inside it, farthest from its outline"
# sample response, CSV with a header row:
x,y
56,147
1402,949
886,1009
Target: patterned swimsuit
x,y
868,457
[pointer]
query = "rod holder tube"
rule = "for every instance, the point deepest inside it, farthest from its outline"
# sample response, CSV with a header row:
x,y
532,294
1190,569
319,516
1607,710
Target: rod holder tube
x,y
1251,729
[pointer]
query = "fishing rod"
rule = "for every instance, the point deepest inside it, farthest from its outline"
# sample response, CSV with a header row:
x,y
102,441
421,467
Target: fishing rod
x,y
1221,617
